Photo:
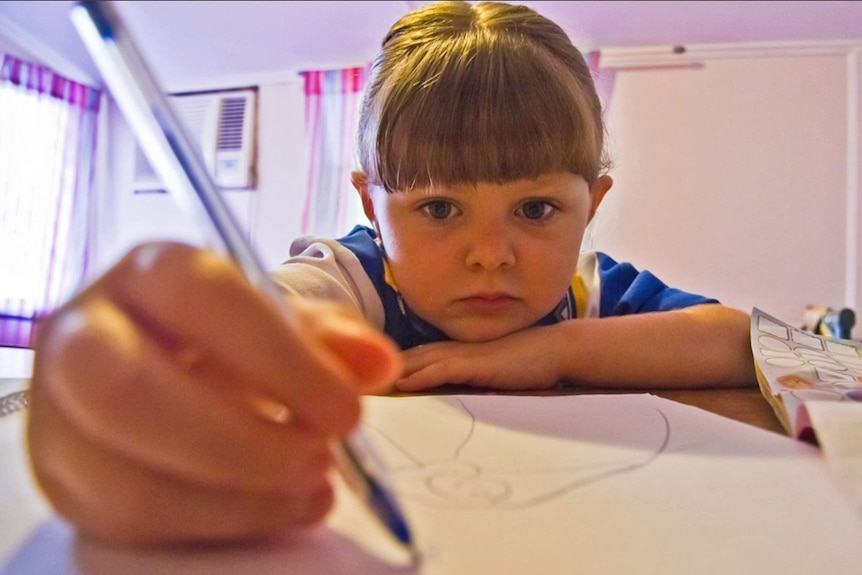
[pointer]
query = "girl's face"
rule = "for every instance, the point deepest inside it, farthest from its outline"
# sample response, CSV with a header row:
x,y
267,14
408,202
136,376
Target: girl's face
x,y
480,261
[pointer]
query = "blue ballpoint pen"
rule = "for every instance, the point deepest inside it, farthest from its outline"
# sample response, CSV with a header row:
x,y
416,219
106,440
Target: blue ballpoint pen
x,y
183,172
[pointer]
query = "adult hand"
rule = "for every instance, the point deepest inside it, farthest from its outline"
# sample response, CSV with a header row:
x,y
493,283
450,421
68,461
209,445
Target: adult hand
x,y
172,402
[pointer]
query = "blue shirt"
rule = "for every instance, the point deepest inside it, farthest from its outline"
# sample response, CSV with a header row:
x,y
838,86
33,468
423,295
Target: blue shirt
x,y
601,287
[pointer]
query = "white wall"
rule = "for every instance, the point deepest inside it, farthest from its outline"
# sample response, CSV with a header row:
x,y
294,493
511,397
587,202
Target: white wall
x,y
854,181
282,163
731,180
270,213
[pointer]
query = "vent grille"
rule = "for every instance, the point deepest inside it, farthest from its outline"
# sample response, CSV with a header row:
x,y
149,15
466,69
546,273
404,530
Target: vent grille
x,y
230,130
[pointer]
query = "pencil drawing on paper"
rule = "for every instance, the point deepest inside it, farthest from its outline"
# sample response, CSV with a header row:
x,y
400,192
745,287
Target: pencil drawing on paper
x,y
460,460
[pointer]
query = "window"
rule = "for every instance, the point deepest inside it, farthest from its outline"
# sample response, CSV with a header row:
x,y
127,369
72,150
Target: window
x,y
46,150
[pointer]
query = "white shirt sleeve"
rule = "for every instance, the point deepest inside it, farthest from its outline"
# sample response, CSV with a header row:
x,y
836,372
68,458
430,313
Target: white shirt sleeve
x,y
325,269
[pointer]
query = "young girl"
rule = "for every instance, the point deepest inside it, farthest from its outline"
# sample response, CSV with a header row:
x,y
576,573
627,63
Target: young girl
x,y
171,402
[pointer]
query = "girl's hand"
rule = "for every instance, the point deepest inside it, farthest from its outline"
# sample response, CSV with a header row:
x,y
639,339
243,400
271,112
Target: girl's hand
x,y
636,351
173,402
520,361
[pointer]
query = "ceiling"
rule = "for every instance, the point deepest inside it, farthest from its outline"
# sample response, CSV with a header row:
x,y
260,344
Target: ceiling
x,y
194,42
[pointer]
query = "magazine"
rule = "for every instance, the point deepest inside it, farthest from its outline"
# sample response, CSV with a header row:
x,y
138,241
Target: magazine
x,y
797,367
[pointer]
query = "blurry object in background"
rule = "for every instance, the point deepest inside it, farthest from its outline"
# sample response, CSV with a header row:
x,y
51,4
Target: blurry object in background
x,y
837,323
223,124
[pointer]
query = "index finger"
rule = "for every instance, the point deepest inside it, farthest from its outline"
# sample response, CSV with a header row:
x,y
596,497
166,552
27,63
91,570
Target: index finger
x,y
198,300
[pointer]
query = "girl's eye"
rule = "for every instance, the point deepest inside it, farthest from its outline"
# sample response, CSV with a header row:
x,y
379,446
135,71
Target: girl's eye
x,y
536,210
438,209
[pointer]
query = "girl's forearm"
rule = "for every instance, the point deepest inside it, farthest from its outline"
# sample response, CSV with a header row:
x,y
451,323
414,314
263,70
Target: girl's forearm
x,y
702,346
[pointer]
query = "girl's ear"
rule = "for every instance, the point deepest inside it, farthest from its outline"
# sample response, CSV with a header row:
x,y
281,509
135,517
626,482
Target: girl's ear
x,y
600,187
360,182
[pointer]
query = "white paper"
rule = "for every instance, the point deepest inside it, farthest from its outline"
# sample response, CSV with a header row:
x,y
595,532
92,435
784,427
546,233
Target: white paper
x,y
561,484
838,425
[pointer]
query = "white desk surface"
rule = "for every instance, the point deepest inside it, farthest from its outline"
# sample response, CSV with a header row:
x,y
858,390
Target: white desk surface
x,y
22,506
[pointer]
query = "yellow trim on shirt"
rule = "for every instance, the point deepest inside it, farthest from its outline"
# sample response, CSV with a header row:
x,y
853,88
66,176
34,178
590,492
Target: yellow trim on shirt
x,y
587,286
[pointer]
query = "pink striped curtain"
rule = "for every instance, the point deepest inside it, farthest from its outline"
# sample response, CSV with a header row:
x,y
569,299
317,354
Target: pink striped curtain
x,y
332,100
48,127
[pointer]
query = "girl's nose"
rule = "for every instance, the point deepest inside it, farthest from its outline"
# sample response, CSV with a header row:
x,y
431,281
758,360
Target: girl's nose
x,y
490,248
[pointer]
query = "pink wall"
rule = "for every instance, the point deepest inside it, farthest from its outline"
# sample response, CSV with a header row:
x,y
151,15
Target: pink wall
x,y
731,180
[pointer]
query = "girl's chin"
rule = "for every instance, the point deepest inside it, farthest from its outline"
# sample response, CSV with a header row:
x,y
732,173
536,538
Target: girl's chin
x,y
474,331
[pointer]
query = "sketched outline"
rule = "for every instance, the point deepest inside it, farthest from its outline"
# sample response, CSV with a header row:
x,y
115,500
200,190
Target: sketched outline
x,y
479,470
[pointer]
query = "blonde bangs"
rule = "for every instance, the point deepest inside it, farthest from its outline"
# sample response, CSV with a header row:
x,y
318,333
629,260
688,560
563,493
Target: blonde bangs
x,y
470,122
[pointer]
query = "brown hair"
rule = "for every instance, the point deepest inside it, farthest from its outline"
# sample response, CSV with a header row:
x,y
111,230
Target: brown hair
x,y
490,92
